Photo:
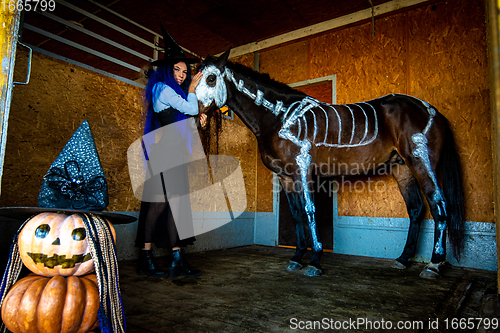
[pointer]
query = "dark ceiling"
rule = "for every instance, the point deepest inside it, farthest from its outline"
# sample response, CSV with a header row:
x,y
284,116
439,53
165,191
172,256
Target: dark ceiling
x,y
204,27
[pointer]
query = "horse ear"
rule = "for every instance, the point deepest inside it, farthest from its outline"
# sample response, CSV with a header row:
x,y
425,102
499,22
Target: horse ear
x,y
223,58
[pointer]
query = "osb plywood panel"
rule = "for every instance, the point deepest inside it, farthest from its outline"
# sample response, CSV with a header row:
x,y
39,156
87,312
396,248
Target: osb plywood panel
x,y
238,141
448,68
366,68
264,186
446,65
322,92
287,63
45,114
246,60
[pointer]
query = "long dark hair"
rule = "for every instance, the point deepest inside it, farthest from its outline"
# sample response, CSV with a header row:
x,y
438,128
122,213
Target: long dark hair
x,y
163,74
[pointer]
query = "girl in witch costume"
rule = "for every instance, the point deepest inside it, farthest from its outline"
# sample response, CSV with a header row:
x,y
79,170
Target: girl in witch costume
x,y
171,97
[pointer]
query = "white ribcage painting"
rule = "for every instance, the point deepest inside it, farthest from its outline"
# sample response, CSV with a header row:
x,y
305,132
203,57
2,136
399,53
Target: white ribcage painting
x,y
350,125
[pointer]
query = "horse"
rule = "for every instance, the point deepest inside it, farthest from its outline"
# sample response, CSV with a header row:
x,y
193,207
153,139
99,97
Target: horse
x,y
296,133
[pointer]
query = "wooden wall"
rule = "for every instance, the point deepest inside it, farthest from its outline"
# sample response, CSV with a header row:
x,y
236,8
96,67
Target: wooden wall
x,y
45,114
60,96
436,52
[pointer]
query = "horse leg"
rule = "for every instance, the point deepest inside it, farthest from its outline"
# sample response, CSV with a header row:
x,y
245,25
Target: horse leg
x,y
424,172
313,268
304,161
297,211
437,206
410,191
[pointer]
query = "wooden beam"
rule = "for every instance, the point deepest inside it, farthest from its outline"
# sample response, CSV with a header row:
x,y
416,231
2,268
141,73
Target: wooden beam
x,y
361,15
493,34
8,42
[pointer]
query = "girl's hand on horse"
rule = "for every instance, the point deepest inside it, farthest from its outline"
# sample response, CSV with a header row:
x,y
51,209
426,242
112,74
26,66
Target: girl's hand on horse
x,y
203,119
194,82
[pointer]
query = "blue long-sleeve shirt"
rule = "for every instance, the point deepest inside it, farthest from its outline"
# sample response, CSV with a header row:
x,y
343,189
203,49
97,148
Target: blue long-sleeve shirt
x,y
165,97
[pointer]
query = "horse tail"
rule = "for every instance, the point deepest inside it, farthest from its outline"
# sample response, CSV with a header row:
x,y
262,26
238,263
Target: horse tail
x,y
451,173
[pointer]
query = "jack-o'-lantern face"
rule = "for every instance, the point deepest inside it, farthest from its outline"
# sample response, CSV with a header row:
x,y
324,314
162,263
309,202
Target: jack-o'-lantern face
x,y
53,244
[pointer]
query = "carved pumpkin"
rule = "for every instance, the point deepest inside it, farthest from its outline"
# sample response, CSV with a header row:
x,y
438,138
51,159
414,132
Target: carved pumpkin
x,y
53,244
58,304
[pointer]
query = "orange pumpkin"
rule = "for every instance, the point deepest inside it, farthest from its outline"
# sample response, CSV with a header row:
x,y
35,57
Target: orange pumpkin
x,y
58,304
53,244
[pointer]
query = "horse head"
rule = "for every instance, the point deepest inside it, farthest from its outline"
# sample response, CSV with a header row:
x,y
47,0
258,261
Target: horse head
x,y
212,91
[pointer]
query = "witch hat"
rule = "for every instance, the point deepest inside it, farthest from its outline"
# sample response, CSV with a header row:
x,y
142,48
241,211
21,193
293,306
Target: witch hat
x,y
74,183
173,51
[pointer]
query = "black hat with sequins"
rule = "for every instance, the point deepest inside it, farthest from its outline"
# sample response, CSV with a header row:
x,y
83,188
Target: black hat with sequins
x,y
74,183
173,51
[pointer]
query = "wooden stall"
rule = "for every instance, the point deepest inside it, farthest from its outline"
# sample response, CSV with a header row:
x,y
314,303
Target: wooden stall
x,y
442,61
434,50
47,112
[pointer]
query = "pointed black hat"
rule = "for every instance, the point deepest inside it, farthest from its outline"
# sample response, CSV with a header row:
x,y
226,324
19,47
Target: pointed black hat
x,y
76,179
75,183
173,51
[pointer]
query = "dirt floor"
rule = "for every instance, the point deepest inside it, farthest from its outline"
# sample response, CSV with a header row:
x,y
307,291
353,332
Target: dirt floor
x,y
247,289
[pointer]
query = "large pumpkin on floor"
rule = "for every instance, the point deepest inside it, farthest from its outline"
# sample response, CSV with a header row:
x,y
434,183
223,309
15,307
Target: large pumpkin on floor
x,y
58,304
53,244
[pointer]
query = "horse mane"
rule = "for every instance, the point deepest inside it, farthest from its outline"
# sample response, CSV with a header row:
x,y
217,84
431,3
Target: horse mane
x,y
210,134
263,79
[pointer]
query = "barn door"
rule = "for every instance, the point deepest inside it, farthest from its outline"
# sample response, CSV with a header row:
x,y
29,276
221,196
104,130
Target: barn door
x,y
8,41
322,89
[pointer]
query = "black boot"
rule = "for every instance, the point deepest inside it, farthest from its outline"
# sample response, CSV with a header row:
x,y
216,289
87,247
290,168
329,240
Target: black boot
x,y
180,266
146,264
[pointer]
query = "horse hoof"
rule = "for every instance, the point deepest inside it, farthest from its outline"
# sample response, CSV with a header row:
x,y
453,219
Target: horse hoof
x,y
398,265
312,271
430,271
293,266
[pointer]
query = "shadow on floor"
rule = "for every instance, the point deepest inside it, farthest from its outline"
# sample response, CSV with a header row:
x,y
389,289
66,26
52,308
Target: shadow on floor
x,y
247,289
